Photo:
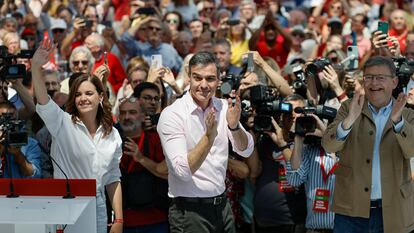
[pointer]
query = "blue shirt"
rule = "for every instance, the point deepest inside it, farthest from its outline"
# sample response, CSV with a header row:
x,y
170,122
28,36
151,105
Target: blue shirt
x,y
170,56
32,153
380,119
310,173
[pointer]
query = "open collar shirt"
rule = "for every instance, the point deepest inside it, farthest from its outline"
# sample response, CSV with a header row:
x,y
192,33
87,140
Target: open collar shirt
x,y
79,155
181,127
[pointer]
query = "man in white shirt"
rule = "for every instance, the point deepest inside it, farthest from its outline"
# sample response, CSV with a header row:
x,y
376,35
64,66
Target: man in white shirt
x,y
194,133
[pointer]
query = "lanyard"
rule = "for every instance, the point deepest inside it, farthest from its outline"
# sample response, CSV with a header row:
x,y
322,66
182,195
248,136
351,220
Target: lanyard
x,y
325,175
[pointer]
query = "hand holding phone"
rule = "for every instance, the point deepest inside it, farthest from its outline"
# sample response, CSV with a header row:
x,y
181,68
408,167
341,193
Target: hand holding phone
x,y
105,58
156,61
383,27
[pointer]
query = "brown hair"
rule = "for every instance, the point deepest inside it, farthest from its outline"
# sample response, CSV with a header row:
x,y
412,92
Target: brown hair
x,y
103,116
137,63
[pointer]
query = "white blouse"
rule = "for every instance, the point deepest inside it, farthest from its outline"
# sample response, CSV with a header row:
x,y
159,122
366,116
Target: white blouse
x,y
80,156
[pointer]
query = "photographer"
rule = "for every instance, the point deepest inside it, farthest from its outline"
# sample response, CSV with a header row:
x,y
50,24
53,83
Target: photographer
x,y
22,100
76,36
309,164
144,171
149,97
25,161
284,208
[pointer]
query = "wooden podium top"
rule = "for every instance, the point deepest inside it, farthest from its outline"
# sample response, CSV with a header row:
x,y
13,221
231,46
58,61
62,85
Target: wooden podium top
x,y
48,187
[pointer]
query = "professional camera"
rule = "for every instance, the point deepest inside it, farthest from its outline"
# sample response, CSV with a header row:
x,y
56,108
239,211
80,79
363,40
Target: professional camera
x,y
405,70
13,130
245,111
300,83
317,66
8,67
230,82
266,105
155,118
307,124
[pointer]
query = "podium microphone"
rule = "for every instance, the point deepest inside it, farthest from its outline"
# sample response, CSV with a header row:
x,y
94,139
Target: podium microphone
x,y
69,194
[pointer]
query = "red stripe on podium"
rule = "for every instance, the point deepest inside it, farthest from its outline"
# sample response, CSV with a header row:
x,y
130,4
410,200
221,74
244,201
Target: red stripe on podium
x,y
48,187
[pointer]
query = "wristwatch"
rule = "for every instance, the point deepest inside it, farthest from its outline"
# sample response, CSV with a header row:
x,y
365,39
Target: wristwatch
x,y
235,129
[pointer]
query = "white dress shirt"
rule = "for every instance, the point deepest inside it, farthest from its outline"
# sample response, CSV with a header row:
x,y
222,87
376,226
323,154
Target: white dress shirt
x,y
80,156
181,127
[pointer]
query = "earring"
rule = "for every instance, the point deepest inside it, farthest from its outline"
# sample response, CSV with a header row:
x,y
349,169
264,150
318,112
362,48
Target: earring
x,y
100,103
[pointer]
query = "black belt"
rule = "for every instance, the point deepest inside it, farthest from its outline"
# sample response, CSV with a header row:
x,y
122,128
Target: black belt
x,y
376,204
323,230
217,200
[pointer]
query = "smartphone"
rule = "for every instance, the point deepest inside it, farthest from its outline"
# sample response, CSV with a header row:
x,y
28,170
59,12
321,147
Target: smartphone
x,y
156,61
146,11
352,50
250,62
383,27
233,22
105,58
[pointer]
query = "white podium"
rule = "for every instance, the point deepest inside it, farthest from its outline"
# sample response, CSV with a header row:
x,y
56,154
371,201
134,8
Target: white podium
x,y
40,204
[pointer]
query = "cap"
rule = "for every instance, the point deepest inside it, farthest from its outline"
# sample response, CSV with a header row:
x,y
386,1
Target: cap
x,y
57,24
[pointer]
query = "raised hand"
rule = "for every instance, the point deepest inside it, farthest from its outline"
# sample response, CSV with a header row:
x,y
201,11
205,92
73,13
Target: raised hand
x,y
320,126
131,149
330,75
43,53
168,76
380,40
211,125
102,72
399,103
277,134
355,108
234,110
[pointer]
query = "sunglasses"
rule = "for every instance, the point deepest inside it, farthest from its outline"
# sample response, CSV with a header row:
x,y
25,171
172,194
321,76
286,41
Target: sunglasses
x,y
76,63
172,21
154,29
58,30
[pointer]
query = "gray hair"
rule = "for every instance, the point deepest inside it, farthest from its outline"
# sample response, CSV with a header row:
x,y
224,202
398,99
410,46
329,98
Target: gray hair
x,y
381,61
84,50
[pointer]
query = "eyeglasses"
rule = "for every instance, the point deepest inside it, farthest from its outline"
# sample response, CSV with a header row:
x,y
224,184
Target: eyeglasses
x,y
300,35
148,98
76,63
172,21
208,9
154,29
129,99
379,78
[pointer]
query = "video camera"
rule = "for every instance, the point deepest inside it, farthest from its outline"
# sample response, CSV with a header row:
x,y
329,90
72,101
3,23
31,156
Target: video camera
x,y
8,67
13,130
405,70
230,82
300,83
266,105
307,124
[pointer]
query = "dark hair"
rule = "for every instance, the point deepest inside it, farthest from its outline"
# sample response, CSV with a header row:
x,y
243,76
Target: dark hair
x,y
7,105
381,61
144,86
73,77
294,97
203,59
180,26
104,115
223,42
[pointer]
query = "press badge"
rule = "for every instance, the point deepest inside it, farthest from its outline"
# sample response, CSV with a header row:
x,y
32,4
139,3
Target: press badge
x,y
321,202
283,184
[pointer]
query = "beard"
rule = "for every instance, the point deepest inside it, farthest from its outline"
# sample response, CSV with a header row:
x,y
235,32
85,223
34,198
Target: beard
x,y
130,127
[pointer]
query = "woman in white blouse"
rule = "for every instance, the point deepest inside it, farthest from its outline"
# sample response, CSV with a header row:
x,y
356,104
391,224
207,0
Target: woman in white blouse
x,y
84,143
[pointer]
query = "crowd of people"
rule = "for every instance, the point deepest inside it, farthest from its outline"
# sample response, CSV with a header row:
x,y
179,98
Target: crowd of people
x,y
216,115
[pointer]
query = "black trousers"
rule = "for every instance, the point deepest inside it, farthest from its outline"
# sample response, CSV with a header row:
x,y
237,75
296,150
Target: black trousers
x,y
201,218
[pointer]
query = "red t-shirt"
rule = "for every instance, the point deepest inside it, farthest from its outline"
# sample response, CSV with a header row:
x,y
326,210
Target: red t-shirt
x,y
278,52
133,218
401,38
121,8
117,73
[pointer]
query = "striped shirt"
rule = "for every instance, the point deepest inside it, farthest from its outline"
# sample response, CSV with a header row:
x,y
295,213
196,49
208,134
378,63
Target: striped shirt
x,y
310,173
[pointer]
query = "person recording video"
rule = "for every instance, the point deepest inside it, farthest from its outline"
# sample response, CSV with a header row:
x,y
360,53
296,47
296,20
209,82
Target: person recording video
x,y
23,153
